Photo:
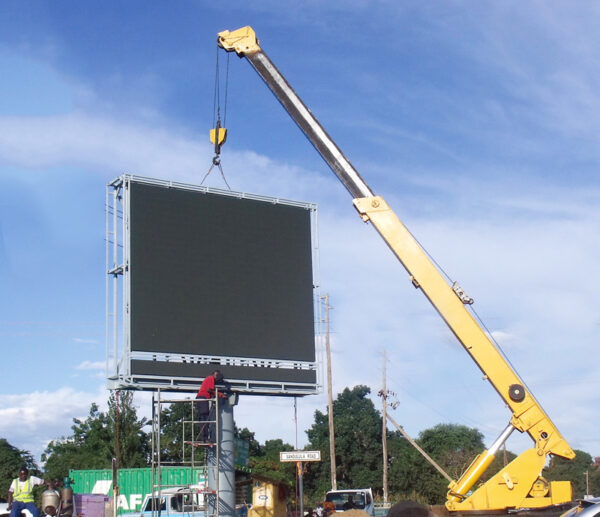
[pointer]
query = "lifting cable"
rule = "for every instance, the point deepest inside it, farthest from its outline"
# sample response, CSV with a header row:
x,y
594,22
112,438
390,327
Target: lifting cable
x,y
218,134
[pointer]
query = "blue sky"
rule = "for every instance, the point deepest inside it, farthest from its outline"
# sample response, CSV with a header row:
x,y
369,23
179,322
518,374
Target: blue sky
x,y
477,121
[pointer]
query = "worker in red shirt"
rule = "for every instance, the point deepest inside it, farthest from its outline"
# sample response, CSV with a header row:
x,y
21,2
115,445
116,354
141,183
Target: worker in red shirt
x,y
207,391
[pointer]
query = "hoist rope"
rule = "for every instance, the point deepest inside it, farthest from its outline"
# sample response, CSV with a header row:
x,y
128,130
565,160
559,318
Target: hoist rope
x,y
226,89
217,118
217,91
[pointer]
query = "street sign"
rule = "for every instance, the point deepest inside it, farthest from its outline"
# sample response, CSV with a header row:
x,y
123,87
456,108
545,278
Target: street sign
x,y
300,456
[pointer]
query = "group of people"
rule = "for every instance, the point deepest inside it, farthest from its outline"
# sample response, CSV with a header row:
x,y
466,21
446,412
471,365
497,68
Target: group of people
x,y
323,509
402,509
327,508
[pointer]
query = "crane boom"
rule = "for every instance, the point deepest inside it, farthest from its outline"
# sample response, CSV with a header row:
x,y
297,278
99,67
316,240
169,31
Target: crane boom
x,y
519,484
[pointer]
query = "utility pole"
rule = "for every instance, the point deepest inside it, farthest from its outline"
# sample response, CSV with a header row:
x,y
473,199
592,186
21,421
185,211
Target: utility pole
x,y
329,389
384,393
587,482
384,433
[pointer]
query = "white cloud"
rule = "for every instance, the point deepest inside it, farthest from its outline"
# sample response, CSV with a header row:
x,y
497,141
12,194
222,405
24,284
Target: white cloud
x,y
91,365
101,144
30,420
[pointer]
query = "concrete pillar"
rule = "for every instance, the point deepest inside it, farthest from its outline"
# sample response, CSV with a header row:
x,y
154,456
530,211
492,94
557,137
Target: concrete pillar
x,y
222,479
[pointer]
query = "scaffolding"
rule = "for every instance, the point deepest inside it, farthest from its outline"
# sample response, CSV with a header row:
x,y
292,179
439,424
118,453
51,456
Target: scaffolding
x,y
198,494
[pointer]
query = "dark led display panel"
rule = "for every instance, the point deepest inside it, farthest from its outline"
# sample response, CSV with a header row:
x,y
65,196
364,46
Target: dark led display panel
x,y
218,275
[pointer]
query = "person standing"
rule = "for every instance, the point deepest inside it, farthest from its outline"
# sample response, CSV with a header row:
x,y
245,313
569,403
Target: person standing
x,y
319,509
207,391
20,494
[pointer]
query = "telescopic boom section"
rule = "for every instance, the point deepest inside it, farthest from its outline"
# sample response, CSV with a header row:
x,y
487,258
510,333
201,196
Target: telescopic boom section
x,y
244,43
518,484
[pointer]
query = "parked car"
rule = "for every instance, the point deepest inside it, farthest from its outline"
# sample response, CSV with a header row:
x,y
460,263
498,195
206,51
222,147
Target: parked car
x,y
173,502
586,508
357,498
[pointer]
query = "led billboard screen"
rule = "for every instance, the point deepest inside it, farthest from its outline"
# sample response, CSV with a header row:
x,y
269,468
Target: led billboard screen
x,y
217,279
216,275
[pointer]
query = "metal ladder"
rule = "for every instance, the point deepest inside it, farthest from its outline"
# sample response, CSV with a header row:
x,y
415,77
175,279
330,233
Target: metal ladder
x,y
193,492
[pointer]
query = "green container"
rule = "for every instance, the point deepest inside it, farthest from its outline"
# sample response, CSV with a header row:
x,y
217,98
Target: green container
x,y
134,484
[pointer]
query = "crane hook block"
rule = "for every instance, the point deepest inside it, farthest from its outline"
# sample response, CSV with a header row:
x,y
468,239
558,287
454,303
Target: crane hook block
x,y
222,136
242,41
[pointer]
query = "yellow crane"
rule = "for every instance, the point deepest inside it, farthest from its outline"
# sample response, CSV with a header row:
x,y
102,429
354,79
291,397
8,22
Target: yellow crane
x,y
519,484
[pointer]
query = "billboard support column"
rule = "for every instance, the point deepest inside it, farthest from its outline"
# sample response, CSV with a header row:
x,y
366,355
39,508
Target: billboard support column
x,y
221,461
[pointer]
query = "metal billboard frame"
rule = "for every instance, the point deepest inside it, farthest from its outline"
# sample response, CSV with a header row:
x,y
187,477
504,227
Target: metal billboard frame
x,y
134,370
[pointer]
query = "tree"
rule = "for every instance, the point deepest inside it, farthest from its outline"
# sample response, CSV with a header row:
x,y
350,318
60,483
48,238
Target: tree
x,y
268,464
88,447
455,446
92,444
574,471
177,433
11,460
132,446
254,448
452,446
357,427
402,459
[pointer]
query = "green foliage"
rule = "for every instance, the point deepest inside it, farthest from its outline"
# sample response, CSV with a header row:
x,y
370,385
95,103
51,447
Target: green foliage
x,y
131,442
574,471
267,464
403,482
358,451
11,460
88,447
453,447
357,426
264,460
176,428
92,443
254,448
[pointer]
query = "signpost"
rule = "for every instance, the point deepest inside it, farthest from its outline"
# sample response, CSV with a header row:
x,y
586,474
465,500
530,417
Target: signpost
x,y
298,457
